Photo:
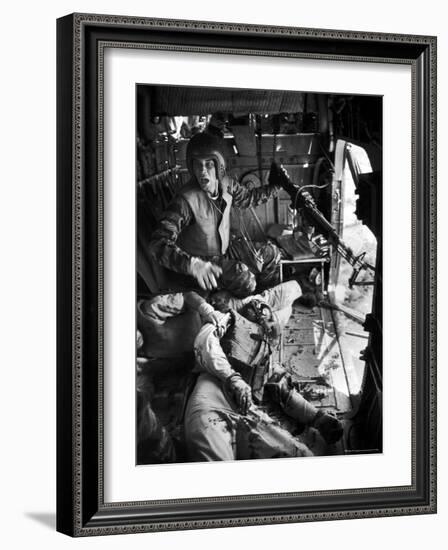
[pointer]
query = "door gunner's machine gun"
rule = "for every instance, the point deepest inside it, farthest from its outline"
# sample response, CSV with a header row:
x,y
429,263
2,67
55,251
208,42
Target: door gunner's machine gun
x,y
302,199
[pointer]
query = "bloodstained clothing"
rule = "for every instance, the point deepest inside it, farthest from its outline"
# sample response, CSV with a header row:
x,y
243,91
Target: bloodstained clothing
x,y
214,428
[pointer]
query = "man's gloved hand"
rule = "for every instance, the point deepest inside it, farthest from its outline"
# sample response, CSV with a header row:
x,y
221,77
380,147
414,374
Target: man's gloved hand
x,y
206,273
210,315
240,392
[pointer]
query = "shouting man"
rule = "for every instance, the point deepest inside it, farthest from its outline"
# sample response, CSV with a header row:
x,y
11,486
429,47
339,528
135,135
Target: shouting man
x,y
193,237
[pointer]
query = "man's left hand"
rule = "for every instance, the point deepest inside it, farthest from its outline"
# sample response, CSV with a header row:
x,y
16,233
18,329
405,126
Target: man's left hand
x,y
241,392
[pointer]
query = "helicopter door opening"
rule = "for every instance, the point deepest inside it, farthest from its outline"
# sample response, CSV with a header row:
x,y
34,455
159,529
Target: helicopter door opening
x,y
352,276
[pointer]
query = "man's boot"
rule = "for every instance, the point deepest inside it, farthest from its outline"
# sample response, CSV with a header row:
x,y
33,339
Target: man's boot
x,y
297,407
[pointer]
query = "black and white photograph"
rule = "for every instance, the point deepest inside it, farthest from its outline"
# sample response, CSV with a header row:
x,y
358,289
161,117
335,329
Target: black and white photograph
x,y
224,219
258,274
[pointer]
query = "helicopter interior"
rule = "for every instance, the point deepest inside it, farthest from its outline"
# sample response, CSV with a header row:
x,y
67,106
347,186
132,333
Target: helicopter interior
x,y
330,241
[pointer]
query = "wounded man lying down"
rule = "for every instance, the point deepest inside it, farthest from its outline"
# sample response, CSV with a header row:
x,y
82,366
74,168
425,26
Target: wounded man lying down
x,y
224,418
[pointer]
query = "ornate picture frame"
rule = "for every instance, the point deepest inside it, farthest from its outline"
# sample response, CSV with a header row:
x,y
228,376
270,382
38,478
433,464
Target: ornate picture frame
x,y
81,507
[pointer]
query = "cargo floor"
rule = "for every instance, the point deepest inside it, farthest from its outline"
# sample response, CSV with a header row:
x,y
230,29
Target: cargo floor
x,y
315,355
323,363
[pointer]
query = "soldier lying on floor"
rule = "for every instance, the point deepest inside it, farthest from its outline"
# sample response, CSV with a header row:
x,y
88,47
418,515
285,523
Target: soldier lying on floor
x,y
233,351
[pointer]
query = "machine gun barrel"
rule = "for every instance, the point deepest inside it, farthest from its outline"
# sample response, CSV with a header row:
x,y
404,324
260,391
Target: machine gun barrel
x,y
304,200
